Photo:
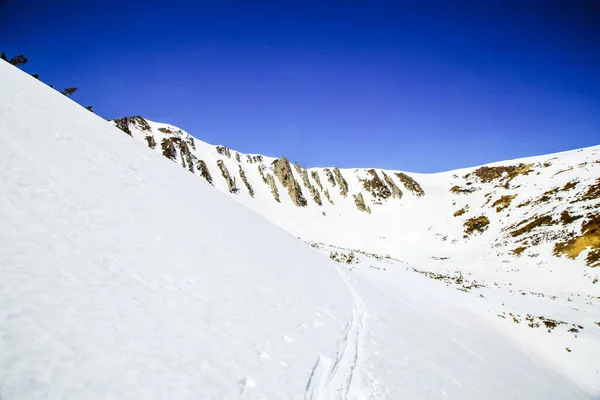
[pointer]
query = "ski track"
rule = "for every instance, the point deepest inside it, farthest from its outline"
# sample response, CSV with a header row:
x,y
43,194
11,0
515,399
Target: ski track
x,y
332,379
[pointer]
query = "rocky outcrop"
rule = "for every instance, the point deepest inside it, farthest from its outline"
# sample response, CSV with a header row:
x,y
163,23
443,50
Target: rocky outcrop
x,y
269,181
283,171
326,193
396,192
257,158
224,151
168,149
186,155
359,201
376,187
410,184
313,191
190,140
330,177
228,179
341,181
238,158
245,180
123,124
203,169
151,142
315,176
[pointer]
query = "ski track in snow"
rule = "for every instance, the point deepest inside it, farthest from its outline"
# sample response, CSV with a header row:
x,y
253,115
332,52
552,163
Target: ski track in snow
x,y
333,379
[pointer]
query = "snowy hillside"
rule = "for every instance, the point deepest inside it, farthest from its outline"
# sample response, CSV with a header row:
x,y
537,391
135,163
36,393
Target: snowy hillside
x,y
122,275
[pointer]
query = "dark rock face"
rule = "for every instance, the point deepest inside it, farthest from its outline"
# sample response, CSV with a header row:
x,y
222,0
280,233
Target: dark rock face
x,y
359,201
376,187
396,192
245,180
410,184
151,142
203,169
228,179
224,151
341,181
168,149
283,171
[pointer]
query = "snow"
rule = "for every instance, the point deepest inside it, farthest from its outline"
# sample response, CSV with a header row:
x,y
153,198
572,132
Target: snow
x,y
122,275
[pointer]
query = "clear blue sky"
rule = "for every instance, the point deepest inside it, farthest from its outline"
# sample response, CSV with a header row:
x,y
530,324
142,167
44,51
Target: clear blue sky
x,y
424,88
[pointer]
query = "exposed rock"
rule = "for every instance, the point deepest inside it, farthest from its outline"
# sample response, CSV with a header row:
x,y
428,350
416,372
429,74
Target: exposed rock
x,y
535,222
341,181
257,158
504,174
326,193
476,224
166,131
588,238
460,190
228,179
237,157
248,159
376,186
151,142
123,124
313,191
503,202
359,201
284,174
298,168
168,149
245,180
410,184
190,140
460,212
203,169
315,176
224,151
186,156
396,192
269,181
330,177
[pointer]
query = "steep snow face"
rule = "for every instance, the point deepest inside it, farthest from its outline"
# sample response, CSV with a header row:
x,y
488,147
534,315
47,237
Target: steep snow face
x,y
122,276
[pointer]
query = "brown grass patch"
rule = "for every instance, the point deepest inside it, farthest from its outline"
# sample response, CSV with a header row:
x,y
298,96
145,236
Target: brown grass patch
x,y
459,190
567,218
545,220
519,250
460,212
589,237
593,192
503,202
569,185
506,172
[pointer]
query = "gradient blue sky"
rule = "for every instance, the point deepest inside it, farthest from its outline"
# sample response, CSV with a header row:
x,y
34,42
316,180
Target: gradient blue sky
x,y
424,88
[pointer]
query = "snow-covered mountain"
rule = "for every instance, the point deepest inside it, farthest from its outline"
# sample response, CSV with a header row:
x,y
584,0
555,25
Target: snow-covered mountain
x,y
122,275
534,207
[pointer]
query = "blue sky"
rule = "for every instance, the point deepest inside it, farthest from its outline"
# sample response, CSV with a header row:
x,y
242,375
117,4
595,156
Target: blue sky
x,y
424,88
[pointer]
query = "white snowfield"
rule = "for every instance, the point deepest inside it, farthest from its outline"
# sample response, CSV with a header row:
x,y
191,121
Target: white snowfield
x,y
123,276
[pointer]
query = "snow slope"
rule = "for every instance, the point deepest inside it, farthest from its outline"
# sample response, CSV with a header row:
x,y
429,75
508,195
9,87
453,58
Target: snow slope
x,y
124,276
